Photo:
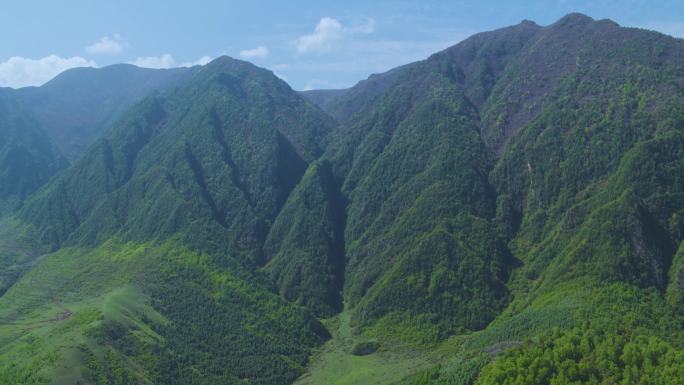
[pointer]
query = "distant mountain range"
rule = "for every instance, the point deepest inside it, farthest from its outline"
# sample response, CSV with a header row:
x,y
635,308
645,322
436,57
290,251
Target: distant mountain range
x,y
64,117
508,211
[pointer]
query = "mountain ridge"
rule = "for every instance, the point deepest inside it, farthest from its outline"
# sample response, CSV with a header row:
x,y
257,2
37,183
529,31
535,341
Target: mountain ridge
x,y
514,198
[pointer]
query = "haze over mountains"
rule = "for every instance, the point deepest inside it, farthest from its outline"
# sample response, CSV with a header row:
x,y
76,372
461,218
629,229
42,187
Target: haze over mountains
x,y
509,210
66,115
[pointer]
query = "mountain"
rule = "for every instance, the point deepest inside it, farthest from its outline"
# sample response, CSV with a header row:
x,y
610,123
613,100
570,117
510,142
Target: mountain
x,y
239,159
75,107
412,166
508,211
166,216
43,128
28,158
342,104
323,98
511,188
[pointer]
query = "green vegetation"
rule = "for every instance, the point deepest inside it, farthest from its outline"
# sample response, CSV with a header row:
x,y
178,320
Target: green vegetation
x,y
111,315
411,203
336,364
364,348
588,357
174,203
18,252
78,105
28,157
581,200
42,127
510,210
306,243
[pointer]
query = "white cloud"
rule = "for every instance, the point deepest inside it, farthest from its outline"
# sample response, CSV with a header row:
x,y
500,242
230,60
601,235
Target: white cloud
x,y
199,62
106,45
367,27
163,61
167,61
21,72
259,52
327,32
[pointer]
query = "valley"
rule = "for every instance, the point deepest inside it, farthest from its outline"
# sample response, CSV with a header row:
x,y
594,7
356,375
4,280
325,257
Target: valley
x,y
509,210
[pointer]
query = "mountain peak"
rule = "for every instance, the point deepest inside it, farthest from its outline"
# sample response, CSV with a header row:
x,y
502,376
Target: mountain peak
x,y
226,61
572,19
231,65
223,59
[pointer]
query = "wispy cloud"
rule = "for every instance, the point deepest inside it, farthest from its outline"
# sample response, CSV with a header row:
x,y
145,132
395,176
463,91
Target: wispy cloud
x,y
367,27
327,32
167,61
162,61
107,45
21,72
259,52
353,51
199,62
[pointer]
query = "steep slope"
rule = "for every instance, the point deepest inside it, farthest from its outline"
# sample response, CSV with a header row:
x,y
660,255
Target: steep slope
x,y
28,158
343,104
478,61
621,100
421,170
231,145
160,226
550,152
421,211
306,243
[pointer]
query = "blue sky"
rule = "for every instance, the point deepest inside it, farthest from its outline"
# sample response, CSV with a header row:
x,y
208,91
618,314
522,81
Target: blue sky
x,y
310,44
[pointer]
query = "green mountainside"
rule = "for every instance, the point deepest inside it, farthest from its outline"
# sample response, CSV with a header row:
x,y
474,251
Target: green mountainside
x,y
43,128
183,189
28,158
507,211
517,181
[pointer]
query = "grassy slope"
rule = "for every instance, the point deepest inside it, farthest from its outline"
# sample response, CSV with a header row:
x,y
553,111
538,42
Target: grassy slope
x,y
92,315
335,364
18,252
48,317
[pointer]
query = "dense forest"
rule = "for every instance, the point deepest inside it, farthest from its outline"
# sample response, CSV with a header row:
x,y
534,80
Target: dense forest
x,y
508,211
